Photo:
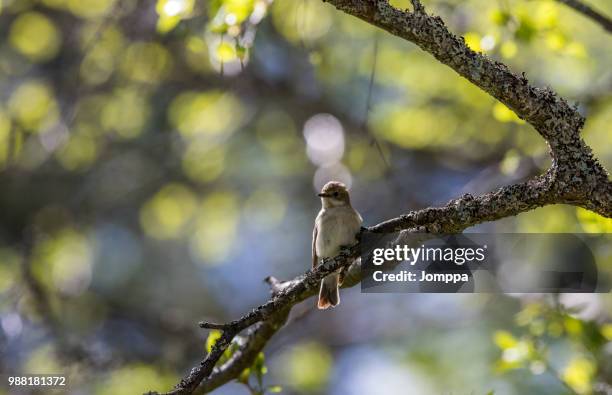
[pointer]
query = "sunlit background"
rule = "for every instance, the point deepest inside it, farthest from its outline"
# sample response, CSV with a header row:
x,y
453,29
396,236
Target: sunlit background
x,y
159,159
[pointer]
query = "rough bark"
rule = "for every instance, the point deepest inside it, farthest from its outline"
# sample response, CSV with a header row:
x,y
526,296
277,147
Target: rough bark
x,y
575,177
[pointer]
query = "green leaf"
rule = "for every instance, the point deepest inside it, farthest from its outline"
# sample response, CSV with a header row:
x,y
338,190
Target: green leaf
x,y
213,336
500,17
213,7
165,24
504,339
259,368
226,52
171,13
220,28
275,389
258,364
526,30
593,337
240,51
244,376
212,339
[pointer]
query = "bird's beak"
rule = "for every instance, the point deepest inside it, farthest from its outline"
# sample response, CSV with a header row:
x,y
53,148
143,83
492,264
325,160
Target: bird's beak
x,y
322,194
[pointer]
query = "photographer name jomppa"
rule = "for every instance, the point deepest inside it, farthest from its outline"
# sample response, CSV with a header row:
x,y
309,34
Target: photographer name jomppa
x,y
410,255
422,277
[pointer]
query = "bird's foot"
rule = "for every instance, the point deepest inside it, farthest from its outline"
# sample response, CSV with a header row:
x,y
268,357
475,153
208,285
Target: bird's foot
x,y
346,250
341,276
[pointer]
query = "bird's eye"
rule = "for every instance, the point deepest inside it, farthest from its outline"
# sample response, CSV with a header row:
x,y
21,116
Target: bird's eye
x,y
335,194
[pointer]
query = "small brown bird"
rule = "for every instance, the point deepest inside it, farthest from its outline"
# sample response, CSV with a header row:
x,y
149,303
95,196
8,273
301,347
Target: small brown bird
x,y
336,226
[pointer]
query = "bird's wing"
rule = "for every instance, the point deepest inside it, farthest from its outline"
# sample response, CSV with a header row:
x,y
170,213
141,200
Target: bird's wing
x,y
315,258
359,217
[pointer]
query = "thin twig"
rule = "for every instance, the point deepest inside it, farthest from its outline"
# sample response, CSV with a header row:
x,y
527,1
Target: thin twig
x,y
590,13
368,106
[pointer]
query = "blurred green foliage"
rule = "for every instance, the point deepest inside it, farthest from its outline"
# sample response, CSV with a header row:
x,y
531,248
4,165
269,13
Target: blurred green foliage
x,y
251,377
307,365
133,379
551,340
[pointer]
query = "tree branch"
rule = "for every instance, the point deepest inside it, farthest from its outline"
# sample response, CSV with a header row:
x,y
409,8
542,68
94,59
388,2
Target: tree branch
x,y
254,342
267,319
575,177
590,12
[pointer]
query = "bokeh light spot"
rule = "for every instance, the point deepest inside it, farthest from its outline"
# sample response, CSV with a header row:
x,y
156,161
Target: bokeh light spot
x,y
90,8
166,215
302,22
504,114
324,138
67,257
276,132
5,131
125,113
307,366
135,379
592,222
79,152
265,208
146,62
33,105
35,36
335,172
207,114
578,374
217,224
9,261
203,162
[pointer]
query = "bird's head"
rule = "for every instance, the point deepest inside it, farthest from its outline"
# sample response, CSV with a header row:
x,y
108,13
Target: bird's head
x,y
334,194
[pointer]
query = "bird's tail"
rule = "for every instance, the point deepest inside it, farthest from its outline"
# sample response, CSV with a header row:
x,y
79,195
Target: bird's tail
x,y
329,295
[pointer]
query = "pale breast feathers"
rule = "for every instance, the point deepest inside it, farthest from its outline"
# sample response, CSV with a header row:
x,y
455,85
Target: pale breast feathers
x,y
336,227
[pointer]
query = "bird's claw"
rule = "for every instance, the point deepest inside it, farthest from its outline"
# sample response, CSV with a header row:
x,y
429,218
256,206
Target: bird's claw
x,y
345,250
